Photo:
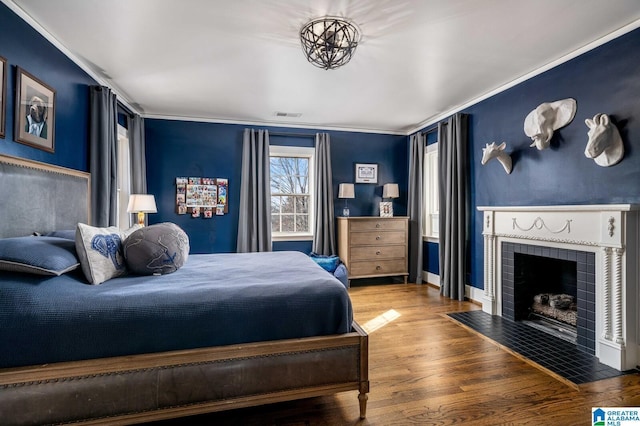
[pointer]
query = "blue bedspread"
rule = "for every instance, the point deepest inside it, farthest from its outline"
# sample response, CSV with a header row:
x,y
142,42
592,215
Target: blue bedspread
x,y
215,299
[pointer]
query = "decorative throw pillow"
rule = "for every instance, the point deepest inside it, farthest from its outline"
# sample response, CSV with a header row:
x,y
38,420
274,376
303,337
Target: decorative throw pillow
x,y
38,255
100,251
328,263
156,249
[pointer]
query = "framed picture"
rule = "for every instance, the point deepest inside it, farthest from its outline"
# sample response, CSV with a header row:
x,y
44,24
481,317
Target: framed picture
x,y
35,112
3,94
366,173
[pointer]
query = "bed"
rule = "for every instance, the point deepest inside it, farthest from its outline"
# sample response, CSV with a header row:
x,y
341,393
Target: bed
x,y
67,367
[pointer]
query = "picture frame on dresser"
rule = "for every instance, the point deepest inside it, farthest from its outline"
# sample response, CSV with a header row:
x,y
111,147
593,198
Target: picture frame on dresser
x,y
366,173
35,109
3,94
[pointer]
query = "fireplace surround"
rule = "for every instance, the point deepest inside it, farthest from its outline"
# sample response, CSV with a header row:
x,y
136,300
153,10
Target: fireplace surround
x,y
604,240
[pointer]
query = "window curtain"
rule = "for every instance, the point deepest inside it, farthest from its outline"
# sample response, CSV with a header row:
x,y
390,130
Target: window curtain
x,y
324,240
254,223
453,173
138,157
415,205
103,154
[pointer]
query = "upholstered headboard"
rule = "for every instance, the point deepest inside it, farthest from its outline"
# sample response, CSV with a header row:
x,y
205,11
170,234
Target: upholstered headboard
x,y
41,197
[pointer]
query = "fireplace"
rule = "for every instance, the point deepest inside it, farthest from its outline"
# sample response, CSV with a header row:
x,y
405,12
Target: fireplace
x,y
565,278
585,254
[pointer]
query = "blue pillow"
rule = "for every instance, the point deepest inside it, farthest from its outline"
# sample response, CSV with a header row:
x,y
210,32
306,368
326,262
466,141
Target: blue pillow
x,y
328,263
69,234
38,255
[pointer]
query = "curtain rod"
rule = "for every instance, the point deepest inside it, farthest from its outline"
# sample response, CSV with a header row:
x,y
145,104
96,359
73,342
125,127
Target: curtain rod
x,y
296,135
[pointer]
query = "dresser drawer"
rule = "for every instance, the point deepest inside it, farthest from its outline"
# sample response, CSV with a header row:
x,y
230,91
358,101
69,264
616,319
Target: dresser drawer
x,y
372,253
378,267
377,238
377,225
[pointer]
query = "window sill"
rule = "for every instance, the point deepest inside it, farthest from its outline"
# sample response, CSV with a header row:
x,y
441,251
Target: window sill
x,y
431,239
292,237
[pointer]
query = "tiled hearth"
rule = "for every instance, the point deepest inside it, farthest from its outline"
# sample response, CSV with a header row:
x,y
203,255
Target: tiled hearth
x,y
552,354
604,241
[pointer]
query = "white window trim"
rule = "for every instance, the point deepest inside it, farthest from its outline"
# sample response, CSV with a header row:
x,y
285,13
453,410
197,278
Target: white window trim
x,y
124,179
430,188
302,152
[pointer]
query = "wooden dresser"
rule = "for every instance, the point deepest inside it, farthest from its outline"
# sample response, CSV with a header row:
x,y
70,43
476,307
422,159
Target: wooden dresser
x,y
374,246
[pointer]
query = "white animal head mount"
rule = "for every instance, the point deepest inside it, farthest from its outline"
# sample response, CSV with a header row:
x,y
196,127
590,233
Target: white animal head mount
x,y
491,151
605,145
548,117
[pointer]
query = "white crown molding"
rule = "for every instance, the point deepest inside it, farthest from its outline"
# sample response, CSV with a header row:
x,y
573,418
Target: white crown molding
x,y
272,124
566,58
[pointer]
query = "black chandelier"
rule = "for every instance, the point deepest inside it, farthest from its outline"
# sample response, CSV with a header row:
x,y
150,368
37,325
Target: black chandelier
x,y
329,42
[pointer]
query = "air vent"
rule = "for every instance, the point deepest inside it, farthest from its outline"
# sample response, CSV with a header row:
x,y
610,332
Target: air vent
x,y
288,114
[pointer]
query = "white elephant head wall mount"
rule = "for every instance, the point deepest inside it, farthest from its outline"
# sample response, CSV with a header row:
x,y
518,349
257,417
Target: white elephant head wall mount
x,y
605,145
548,117
491,151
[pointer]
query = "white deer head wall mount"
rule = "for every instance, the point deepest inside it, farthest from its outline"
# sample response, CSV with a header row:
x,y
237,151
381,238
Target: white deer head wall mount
x,y
548,117
605,145
491,151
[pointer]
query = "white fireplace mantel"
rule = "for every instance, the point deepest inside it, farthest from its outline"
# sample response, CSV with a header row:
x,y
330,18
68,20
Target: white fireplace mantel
x,y
611,231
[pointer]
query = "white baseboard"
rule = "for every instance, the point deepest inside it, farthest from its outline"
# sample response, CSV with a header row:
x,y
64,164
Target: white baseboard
x,y
472,293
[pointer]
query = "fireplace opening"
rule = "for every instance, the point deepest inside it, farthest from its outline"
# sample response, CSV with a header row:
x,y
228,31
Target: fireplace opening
x,y
545,294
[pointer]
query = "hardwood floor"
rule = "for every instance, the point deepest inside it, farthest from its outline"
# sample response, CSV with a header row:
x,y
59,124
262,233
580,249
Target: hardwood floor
x,y
425,369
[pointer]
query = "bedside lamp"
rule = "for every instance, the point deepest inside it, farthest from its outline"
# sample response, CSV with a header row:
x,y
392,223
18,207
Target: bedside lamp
x,y
346,191
141,204
389,190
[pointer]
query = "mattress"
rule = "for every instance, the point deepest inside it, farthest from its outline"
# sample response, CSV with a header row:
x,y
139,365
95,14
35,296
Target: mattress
x,y
213,300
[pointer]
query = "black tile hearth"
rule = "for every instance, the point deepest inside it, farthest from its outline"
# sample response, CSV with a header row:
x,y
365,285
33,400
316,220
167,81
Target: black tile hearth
x,y
552,353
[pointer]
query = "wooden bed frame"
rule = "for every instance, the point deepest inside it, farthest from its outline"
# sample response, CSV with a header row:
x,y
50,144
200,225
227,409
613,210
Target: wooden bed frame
x,y
141,388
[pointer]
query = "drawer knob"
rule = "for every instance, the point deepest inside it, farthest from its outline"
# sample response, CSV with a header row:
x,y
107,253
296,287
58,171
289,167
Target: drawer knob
x,y
378,267
378,237
377,225
378,253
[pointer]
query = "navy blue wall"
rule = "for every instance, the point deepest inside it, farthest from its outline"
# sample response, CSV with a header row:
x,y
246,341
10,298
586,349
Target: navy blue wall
x,y
604,80
184,148
24,47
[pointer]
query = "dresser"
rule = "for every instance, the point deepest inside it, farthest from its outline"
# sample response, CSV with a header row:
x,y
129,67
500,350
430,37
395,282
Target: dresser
x,y
374,246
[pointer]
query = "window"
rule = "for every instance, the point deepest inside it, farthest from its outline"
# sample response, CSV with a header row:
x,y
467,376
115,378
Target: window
x,y
124,178
292,197
431,195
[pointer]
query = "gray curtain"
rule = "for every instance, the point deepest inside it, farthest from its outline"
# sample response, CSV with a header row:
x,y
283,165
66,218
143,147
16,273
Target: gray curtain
x,y
324,240
415,205
103,154
254,223
453,177
137,154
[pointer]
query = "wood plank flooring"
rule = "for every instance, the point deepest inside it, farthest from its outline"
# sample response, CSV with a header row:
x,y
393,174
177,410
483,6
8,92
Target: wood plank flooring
x,y
425,369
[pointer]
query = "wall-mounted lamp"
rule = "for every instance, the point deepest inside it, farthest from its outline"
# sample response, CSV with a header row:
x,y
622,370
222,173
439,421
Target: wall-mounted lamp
x,y
141,204
389,190
346,191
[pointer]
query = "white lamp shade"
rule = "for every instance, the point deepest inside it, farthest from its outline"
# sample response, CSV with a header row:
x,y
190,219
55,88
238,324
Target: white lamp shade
x,y
390,190
144,203
346,191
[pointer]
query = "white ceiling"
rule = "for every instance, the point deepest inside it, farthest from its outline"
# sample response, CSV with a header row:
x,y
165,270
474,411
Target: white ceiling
x,y
241,60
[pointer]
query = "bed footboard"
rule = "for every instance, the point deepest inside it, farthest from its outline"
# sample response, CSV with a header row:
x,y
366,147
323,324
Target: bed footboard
x,y
133,389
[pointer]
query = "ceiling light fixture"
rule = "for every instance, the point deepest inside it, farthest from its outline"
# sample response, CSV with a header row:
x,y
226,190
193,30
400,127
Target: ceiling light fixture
x,y
329,42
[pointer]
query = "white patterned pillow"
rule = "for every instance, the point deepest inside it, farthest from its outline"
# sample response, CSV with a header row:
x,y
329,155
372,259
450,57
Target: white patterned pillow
x,y
100,251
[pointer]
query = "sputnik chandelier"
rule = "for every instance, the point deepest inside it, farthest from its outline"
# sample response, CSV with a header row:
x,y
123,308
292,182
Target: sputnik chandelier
x,y
329,42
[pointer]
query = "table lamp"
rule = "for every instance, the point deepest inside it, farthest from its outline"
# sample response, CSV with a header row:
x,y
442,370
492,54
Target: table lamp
x,y
141,204
346,191
389,190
